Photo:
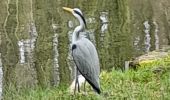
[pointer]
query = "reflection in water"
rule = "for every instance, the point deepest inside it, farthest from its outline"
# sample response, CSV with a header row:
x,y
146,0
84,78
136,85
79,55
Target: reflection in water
x,y
70,61
104,19
26,46
104,25
117,41
27,75
21,51
136,43
147,36
55,63
1,78
156,36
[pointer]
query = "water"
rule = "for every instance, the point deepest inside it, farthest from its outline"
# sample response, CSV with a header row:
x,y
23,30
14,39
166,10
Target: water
x,y
106,31
119,29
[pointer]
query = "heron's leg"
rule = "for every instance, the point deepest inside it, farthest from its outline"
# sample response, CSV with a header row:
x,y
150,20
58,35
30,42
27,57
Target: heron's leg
x,y
75,85
85,86
78,82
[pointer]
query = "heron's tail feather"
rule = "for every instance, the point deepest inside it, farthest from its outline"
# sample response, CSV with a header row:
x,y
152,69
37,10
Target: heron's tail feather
x,y
96,88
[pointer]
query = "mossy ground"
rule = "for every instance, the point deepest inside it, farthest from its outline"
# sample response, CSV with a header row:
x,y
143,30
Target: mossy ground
x,y
142,84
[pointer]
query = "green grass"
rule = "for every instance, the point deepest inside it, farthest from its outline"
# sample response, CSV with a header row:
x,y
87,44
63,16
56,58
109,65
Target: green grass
x,y
143,84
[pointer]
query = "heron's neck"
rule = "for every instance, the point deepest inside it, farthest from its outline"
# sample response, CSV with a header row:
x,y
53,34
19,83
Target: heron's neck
x,y
77,30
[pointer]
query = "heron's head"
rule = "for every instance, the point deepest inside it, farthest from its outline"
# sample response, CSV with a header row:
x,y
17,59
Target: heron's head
x,y
77,13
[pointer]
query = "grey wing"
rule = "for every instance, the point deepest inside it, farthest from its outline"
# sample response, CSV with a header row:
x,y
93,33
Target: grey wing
x,y
86,59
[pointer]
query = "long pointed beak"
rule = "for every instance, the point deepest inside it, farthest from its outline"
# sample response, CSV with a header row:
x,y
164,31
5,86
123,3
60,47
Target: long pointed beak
x,y
68,9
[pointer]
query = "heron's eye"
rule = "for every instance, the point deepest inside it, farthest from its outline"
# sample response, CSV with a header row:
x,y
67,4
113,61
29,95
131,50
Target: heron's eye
x,y
77,12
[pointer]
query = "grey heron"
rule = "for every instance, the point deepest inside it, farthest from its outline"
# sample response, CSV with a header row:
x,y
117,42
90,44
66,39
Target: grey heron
x,y
84,53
